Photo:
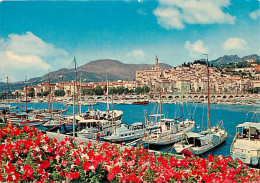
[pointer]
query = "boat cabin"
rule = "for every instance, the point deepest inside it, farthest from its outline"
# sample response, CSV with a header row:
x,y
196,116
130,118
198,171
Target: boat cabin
x,y
248,130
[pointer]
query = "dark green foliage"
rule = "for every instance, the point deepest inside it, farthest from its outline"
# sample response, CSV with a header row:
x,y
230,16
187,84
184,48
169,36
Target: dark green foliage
x,y
59,92
45,93
254,90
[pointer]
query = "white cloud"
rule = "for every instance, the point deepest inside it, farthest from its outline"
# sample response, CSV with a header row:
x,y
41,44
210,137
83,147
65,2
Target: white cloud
x,y
138,53
255,14
234,43
27,54
196,49
142,12
175,13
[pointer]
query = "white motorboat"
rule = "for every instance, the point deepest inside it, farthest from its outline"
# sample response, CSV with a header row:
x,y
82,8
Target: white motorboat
x,y
171,131
92,128
246,143
127,133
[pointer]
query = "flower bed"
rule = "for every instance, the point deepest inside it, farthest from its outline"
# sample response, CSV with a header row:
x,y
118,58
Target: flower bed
x,y
26,154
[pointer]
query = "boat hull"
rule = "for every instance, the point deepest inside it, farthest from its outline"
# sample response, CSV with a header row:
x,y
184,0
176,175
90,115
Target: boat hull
x,y
167,140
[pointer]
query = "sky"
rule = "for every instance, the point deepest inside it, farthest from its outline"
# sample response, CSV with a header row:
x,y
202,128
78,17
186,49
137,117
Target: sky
x,y
41,36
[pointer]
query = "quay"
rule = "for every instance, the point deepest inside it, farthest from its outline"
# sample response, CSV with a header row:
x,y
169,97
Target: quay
x,y
220,98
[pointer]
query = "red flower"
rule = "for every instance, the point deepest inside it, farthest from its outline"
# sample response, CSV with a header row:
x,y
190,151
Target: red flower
x,y
45,164
64,163
77,161
26,129
210,158
69,175
17,176
110,176
133,178
115,169
9,178
28,171
9,168
76,175
86,165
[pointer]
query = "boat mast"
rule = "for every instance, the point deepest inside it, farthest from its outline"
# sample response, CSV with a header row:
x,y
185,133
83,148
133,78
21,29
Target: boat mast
x,y
207,63
160,106
80,96
182,108
49,99
107,96
255,114
76,83
113,112
145,117
74,93
26,94
7,92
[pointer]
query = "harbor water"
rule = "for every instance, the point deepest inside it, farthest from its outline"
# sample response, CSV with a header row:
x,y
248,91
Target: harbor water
x,y
232,115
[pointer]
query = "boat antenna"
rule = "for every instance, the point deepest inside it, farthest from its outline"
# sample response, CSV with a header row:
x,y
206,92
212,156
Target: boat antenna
x,y
207,64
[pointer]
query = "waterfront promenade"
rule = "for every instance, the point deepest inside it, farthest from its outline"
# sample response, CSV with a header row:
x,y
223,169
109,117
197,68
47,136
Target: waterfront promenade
x,y
220,98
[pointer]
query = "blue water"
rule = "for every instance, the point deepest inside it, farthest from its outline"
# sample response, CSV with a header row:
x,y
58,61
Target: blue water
x,y
232,115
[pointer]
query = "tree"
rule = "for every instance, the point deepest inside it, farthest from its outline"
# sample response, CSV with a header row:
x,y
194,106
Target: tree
x,y
131,91
126,91
31,92
90,91
120,90
139,90
45,93
59,92
112,90
254,90
99,90
146,89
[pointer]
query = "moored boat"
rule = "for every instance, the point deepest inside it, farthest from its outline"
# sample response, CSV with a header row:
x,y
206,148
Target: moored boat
x,y
127,133
171,131
199,143
141,102
246,143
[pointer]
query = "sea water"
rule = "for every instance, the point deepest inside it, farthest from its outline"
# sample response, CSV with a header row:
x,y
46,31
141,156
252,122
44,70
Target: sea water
x,y
232,115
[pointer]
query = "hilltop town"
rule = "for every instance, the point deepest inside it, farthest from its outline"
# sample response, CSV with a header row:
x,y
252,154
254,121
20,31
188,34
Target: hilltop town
x,y
193,78
189,78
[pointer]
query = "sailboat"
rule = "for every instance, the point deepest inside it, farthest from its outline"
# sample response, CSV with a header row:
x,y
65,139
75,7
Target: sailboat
x,y
246,143
170,131
201,142
100,123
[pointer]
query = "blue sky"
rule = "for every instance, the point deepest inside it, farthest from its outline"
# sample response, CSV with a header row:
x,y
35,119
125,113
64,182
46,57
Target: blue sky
x,y
38,36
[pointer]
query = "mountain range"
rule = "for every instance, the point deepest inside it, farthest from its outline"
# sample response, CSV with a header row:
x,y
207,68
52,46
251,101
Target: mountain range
x,y
233,58
96,71
93,71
